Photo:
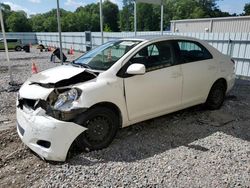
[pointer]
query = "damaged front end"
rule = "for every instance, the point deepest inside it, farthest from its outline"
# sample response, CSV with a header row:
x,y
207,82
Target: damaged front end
x,y
46,113
60,104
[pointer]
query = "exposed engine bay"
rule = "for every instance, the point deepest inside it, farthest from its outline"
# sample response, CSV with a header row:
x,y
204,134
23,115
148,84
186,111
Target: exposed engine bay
x,y
59,103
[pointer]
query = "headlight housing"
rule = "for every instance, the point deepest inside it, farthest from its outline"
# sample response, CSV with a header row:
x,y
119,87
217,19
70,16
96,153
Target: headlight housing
x,y
65,100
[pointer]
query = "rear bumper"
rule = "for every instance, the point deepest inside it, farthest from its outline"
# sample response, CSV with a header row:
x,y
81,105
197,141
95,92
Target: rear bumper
x,y
35,127
230,82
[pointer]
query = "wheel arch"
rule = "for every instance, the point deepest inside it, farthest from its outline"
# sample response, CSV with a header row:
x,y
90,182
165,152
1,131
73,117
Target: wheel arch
x,y
111,106
73,149
221,80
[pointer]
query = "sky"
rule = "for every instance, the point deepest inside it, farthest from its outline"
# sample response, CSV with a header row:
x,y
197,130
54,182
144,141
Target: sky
x,y
41,6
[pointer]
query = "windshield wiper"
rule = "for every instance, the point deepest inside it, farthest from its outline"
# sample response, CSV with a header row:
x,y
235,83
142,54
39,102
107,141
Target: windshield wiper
x,y
81,65
85,66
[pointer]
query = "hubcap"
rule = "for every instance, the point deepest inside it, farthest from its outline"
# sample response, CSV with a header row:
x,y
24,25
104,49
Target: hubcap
x,y
98,129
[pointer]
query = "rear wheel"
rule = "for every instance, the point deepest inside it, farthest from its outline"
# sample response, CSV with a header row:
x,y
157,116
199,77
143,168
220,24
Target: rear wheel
x,y
216,96
18,48
102,124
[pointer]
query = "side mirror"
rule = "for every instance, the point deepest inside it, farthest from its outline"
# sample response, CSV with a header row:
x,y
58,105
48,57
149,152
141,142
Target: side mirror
x,y
136,69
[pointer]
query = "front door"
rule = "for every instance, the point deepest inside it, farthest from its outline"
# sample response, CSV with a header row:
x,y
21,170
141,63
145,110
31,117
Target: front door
x,y
159,89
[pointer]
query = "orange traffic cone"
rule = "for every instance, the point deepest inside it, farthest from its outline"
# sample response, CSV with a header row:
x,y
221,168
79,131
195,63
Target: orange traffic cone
x,y
34,68
71,51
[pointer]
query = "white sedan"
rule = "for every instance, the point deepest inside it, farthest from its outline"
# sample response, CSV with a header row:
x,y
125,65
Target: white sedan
x,y
115,85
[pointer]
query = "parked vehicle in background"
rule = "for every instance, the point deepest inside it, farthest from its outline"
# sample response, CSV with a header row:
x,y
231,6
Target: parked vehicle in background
x,y
13,44
115,85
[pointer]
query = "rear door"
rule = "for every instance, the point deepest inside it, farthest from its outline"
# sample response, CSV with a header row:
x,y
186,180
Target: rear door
x,y
199,70
159,89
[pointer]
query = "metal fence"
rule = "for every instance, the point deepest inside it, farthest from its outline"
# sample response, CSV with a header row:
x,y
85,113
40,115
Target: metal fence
x,y
236,45
77,40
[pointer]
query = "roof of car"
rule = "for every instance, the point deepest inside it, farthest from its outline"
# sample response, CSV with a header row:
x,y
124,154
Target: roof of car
x,y
159,37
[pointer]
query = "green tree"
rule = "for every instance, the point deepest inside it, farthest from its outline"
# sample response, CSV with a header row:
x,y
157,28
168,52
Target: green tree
x,y
69,22
18,22
107,28
88,17
124,19
208,6
187,9
110,15
50,24
126,16
37,22
145,17
247,9
6,11
83,19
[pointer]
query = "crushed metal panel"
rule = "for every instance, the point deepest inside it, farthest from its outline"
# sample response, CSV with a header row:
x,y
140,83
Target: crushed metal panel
x,y
56,74
34,91
81,77
39,126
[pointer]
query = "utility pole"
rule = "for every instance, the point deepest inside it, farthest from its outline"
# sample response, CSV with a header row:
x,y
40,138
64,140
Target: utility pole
x,y
135,19
161,18
101,20
59,31
6,46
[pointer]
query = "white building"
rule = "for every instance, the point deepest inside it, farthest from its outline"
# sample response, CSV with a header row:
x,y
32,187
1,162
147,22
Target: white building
x,y
239,24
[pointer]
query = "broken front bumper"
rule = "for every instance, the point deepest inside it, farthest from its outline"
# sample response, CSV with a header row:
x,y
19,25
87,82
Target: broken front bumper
x,y
48,137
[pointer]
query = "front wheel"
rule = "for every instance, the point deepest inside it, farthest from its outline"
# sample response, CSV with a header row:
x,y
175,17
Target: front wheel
x,y
18,48
216,96
102,124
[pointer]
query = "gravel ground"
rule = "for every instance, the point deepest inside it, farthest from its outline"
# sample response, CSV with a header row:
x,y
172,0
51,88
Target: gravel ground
x,y
190,148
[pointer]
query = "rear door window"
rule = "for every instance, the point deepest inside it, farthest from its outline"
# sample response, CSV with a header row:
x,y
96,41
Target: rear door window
x,y
11,40
191,51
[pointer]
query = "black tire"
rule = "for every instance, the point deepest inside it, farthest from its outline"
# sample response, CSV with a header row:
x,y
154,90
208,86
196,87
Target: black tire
x,y
18,48
102,124
216,96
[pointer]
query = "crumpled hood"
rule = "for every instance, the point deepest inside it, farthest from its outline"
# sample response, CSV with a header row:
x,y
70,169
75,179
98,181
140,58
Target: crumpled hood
x,y
40,85
56,74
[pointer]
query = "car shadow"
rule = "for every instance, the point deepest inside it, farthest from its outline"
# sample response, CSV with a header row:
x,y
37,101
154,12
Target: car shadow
x,y
182,128
10,50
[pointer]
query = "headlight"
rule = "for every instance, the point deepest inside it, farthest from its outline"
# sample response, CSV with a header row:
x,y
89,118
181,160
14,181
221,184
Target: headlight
x,y
64,101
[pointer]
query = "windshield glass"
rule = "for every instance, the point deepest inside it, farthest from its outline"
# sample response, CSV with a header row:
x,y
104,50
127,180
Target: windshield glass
x,y
104,56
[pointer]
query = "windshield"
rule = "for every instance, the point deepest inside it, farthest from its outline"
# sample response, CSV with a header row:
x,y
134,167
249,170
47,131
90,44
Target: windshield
x,y
104,56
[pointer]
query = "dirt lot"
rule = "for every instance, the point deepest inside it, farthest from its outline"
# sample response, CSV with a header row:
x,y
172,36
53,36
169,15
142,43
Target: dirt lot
x,y
194,147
